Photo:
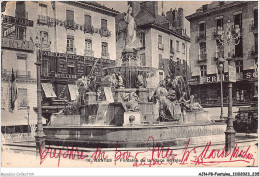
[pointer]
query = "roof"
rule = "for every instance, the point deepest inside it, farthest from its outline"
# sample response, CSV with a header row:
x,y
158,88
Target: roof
x,y
93,5
215,6
144,20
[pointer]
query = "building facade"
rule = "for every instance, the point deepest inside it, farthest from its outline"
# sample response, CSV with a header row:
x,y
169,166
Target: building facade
x,y
205,24
68,38
162,40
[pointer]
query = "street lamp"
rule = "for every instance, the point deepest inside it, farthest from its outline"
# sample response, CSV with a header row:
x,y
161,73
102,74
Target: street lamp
x,y
40,136
28,118
232,35
220,64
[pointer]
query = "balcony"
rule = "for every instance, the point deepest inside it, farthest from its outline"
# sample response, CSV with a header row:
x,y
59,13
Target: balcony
x,y
89,53
71,50
70,25
105,55
160,46
201,36
202,57
104,32
88,29
217,33
17,73
43,20
172,51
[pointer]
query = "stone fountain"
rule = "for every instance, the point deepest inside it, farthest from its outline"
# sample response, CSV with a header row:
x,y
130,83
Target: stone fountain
x,y
131,109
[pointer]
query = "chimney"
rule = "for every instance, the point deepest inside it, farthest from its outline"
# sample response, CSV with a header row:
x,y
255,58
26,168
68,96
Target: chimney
x,y
169,16
135,7
151,7
180,18
175,14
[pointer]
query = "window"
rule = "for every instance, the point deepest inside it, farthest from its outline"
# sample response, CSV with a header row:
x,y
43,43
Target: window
x,y
239,66
171,47
88,47
22,98
178,46
203,70
2,99
239,47
142,39
202,30
71,70
183,48
20,32
70,15
159,39
160,62
202,51
44,40
88,44
219,23
255,18
45,67
21,65
142,59
43,9
88,20
104,49
103,23
70,43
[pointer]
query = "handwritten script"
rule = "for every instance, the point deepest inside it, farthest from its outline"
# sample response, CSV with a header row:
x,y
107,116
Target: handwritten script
x,y
154,156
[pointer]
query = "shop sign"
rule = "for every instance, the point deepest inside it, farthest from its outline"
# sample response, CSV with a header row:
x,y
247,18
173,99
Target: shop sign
x,y
18,21
17,44
65,76
59,55
194,81
213,78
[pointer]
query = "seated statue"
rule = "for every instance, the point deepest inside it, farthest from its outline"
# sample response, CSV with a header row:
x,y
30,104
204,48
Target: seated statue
x,y
167,102
190,105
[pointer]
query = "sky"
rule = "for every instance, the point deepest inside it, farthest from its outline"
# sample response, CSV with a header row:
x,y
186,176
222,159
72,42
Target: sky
x,y
189,7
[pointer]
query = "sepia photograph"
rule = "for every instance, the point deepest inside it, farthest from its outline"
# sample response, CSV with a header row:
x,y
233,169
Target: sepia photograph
x,y
134,84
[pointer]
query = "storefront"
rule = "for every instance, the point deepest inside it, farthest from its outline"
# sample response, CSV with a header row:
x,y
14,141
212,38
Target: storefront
x,y
207,90
60,72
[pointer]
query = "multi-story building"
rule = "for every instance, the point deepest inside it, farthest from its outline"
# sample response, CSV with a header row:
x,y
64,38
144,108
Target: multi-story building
x,y
163,40
68,37
204,25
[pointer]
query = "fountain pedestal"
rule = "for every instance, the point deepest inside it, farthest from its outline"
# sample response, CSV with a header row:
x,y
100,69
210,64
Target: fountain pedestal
x,y
91,97
129,57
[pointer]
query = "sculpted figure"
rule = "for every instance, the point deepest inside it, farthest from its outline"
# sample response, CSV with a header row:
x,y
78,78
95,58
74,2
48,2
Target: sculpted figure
x,y
131,29
166,106
131,102
140,83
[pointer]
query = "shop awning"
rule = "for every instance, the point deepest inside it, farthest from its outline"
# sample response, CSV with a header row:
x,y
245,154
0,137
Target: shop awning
x,y
48,90
73,89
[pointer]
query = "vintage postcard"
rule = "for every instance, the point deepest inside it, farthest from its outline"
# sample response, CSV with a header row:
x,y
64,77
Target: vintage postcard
x,y
129,84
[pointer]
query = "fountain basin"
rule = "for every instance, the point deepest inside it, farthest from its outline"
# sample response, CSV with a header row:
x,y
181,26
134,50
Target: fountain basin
x,y
134,136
